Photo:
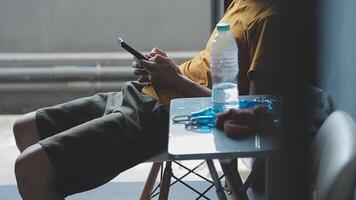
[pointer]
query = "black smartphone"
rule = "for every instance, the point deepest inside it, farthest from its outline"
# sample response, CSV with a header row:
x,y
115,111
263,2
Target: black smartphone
x,y
130,49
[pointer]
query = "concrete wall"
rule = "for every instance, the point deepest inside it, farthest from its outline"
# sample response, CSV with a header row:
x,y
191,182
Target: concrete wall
x,y
92,25
29,27
337,53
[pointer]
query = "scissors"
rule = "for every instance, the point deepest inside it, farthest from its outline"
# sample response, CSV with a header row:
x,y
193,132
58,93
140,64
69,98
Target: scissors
x,y
205,117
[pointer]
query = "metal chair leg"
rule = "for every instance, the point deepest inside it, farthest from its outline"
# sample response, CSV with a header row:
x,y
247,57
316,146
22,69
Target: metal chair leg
x,y
234,181
151,179
165,182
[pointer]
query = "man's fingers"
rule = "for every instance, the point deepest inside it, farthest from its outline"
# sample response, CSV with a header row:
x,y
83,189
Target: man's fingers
x,y
235,130
135,65
144,79
148,65
158,51
140,72
159,59
137,61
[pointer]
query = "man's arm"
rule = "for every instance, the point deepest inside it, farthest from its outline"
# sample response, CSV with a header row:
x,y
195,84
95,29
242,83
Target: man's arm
x,y
189,88
164,74
264,56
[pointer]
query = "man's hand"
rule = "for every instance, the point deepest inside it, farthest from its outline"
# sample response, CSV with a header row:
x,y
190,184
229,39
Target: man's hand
x,y
163,72
142,75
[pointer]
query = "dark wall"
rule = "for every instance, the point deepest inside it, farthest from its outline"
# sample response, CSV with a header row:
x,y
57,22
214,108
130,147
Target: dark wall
x,y
337,48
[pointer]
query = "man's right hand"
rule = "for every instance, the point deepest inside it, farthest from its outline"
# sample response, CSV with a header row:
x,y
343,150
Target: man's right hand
x,y
141,73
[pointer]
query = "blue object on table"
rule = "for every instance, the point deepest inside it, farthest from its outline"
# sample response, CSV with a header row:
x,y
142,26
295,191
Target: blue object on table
x,y
207,117
271,102
260,101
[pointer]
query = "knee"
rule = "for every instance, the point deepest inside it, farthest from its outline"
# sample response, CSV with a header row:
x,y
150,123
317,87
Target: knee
x,y
21,124
25,177
17,127
21,169
30,170
25,131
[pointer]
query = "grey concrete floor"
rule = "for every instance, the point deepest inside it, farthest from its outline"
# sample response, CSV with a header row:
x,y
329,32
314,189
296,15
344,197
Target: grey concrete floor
x,y
9,153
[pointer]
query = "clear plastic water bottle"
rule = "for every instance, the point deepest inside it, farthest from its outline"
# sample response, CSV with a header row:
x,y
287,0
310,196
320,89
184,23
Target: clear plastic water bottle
x,y
224,69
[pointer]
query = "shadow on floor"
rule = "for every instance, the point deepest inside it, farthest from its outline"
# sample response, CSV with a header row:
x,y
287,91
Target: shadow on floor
x,y
122,190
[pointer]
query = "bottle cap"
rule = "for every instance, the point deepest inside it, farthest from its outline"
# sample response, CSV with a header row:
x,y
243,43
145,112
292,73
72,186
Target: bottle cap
x,y
223,27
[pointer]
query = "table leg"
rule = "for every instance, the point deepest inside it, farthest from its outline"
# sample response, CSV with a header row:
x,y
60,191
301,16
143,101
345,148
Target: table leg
x,y
165,182
214,175
151,179
234,169
234,180
257,167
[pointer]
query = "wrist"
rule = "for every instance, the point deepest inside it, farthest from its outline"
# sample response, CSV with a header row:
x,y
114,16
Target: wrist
x,y
184,85
181,81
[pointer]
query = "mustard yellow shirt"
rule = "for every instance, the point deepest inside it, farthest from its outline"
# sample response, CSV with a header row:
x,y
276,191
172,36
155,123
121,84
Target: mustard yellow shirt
x,y
252,23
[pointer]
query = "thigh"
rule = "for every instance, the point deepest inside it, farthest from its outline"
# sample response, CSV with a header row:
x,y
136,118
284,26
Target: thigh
x,y
58,118
91,154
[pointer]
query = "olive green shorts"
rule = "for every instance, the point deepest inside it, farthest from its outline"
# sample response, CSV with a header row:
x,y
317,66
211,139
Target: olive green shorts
x,y
91,140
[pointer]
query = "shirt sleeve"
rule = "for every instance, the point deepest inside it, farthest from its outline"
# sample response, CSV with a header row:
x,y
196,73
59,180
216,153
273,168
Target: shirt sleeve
x,y
264,46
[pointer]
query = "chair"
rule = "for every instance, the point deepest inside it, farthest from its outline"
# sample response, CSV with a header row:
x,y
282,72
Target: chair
x,y
333,159
152,176
160,162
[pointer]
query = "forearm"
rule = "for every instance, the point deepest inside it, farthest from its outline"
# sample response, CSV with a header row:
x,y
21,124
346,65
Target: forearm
x,y
189,88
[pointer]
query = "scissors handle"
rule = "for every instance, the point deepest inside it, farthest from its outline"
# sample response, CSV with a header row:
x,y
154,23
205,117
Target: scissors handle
x,y
181,119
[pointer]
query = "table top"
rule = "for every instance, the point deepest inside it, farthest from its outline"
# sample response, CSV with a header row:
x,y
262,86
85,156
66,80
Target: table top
x,y
184,144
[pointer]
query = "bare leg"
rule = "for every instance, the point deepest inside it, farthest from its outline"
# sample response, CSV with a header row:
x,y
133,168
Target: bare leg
x,y
25,131
36,178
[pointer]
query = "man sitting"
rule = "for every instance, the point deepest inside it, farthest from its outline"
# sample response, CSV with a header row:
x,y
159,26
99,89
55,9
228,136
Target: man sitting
x,y
82,144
